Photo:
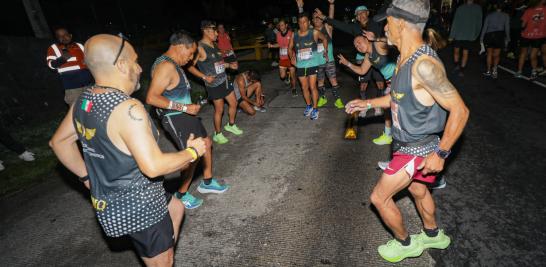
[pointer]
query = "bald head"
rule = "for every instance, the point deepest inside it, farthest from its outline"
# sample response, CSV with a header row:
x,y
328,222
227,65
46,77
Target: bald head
x,y
101,51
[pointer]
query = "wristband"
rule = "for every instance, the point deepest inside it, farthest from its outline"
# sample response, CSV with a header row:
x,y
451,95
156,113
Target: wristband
x,y
170,105
203,78
349,64
193,153
368,105
83,179
184,108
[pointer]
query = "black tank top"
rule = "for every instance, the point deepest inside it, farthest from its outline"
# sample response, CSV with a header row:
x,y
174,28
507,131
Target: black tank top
x,y
181,93
378,61
125,201
412,121
213,65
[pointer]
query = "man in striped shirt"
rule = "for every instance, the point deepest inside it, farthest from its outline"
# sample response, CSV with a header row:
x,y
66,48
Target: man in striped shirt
x,y
67,58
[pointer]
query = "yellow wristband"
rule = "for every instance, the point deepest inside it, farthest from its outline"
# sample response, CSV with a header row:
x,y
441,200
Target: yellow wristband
x,y
193,153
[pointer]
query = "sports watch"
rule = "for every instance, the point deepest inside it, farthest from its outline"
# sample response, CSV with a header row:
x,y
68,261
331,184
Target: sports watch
x,y
442,153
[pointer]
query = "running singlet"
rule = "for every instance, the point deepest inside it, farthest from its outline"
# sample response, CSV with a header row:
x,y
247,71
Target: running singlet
x,y
283,42
320,47
181,93
381,62
125,201
412,121
305,49
213,65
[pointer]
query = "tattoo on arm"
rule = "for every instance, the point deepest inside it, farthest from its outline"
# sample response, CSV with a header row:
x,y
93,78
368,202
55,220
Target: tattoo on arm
x,y
434,78
131,115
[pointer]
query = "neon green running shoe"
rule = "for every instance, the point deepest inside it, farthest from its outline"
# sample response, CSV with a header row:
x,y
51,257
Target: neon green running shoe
x,y
322,101
339,104
233,129
383,140
220,138
393,251
441,241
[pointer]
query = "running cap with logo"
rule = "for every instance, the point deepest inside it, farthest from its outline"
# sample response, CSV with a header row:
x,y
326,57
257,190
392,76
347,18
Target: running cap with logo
x,y
360,8
207,24
413,11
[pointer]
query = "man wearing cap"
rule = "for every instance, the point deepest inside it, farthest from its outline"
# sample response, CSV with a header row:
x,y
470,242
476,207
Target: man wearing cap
x,y
420,99
212,69
363,25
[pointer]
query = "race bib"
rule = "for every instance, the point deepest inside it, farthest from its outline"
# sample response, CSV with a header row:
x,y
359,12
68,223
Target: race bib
x,y
219,67
305,54
283,51
320,48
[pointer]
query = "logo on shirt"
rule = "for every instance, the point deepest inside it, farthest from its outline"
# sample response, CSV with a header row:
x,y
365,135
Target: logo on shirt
x,y
87,133
396,95
87,105
98,205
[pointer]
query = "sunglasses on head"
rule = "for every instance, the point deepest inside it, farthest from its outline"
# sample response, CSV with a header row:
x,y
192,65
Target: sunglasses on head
x,y
123,40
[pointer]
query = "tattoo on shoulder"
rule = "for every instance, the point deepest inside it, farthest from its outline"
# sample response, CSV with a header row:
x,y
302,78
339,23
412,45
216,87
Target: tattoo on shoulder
x,y
435,78
131,115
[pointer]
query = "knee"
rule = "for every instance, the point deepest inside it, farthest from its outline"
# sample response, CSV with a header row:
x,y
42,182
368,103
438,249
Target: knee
x,y
418,191
376,199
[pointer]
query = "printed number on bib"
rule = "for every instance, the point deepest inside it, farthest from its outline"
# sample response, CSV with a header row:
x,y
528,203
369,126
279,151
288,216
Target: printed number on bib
x,y
283,51
219,67
320,48
305,54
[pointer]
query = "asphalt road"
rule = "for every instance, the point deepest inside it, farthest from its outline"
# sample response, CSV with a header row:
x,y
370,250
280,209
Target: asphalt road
x,y
300,192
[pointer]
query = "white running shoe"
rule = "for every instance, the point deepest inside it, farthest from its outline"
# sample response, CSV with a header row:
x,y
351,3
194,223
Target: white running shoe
x,y
27,156
274,64
378,111
439,184
2,166
383,164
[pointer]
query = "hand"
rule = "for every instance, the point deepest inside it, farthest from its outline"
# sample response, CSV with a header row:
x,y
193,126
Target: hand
x,y
369,35
319,14
66,55
209,79
198,144
269,45
356,105
431,164
293,61
342,60
325,54
299,3
193,109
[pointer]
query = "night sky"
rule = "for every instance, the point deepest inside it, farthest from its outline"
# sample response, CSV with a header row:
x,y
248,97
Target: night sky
x,y
85,18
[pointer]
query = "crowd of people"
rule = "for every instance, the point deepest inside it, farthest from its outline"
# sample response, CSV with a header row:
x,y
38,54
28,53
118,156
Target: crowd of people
x,y
109,140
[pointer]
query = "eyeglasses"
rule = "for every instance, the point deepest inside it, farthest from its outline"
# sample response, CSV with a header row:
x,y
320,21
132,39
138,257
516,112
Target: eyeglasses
x,y
123,39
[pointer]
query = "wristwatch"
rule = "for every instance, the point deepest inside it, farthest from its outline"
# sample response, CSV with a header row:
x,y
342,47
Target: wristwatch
x,y
442,153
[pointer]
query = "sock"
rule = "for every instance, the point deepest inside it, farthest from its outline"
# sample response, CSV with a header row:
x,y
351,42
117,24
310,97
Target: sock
x,y
388,131
207,181
335,91
406,242
180,195
431,232
321,91
216,133
231,124
494,68
309,106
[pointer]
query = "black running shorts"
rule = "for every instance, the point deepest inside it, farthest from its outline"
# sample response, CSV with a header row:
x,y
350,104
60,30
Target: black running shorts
x,y
180,126
155,239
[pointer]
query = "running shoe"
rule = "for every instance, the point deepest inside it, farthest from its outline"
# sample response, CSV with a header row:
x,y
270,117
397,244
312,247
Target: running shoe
x,y
294,92
274,64
362,114
542,73
213,187
441,241
383,164
190,202
339,104
518,75
439,184
2,166
377,112
27,156
233,129
393,251
494,75
307,111
322,101
539,70
533,75
383,139
487,74
287,81
510,55
314,114
219,138
260,109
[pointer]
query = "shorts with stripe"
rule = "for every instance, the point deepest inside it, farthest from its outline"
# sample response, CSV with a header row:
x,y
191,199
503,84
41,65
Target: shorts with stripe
x,y
180,126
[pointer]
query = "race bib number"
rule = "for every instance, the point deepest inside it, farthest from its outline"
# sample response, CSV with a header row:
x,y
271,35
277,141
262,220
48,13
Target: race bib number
x,y
219,67
320,48
305,54
283,51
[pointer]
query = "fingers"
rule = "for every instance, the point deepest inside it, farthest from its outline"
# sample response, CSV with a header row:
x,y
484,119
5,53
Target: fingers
x,y
191,137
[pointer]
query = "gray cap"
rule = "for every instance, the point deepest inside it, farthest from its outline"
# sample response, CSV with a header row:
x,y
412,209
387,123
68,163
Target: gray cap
x,y
414,11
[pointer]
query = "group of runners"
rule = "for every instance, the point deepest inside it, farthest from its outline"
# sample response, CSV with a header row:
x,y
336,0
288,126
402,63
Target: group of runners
x,y
122,160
